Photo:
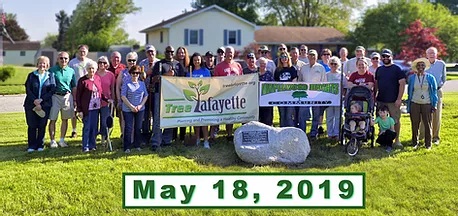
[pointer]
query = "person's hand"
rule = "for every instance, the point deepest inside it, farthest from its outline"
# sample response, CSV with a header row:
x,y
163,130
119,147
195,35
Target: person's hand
x,y
398,103
37,101
79,114
156,78
111,101
139,107
38,107
133,109
170,72
433,109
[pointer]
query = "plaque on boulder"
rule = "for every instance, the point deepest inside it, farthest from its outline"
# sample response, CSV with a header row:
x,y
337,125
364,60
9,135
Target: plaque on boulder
x,y
258,143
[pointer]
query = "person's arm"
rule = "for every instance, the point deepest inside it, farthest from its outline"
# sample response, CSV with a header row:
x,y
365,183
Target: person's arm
x,y
375,84
112,86
402,86
118,87
123,97
28,88
78,94
444,75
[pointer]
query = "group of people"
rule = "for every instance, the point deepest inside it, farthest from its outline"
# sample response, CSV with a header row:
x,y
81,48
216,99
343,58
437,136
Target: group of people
x,y
91,90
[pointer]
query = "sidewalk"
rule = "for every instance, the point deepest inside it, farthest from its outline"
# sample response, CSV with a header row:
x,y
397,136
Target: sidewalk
x,y
13,103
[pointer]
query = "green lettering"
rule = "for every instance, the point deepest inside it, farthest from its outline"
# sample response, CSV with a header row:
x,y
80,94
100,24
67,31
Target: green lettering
x,y
187,194
143,191
168,192
188,108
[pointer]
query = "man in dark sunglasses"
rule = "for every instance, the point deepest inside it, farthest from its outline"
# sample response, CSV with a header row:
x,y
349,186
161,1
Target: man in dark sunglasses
x,y
164,67
63,99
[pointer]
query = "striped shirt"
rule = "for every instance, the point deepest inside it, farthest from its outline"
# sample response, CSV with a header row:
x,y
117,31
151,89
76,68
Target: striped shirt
x,y
134,92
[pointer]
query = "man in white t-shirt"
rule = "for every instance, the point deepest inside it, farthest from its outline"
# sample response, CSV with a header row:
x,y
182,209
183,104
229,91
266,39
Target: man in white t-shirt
x,y
78,64
350,66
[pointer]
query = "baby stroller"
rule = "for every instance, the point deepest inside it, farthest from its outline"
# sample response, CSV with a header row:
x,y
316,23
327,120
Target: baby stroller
x,y
353,140
109,128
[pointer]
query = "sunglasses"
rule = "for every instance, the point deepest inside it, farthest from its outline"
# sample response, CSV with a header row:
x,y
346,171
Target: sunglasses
x,y
220,52
264,52
326,54
421,65
334,64
284,57
135,73
385,56
169,51
281,49
303,50
132,60
375,58
102,63
63,58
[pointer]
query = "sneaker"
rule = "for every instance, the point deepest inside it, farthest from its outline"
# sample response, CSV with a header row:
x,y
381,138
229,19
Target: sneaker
x,y
53,144
197,142
428,148
93,149
436,141
85,150
154,148
206,144
74,135
63,144
139,149
398,145
30,150
127,151
416,146
388,149
40,149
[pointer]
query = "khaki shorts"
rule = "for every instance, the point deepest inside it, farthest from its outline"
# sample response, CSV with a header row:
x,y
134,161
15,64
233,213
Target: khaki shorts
x,y
64,104
395,112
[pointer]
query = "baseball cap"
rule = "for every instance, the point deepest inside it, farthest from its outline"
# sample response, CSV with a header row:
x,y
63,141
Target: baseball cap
x,y
313,52
387,52
375,54
264,48
250,55
209,53
221,49
360,48
150,48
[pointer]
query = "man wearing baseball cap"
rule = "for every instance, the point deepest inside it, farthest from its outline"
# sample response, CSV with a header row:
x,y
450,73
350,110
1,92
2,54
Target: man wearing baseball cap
x,y
350,66
394,81
265,52
210,61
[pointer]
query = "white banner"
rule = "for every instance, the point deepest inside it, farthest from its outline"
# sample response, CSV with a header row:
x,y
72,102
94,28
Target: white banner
x,y
208,101
299,94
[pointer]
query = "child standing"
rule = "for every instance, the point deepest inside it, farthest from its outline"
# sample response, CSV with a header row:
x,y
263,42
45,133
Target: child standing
x,y
386,128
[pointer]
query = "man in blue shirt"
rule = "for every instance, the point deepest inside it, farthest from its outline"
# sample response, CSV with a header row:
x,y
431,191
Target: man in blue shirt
x,y
439,71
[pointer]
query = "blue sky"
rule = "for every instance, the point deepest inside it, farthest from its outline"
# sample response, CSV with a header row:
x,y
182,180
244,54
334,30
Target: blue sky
x,y
38,17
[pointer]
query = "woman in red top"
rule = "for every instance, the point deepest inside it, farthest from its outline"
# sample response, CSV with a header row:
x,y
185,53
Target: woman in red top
x,y
362,77
108,86
89,97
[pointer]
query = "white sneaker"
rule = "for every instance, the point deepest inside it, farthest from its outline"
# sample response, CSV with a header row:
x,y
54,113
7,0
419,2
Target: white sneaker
x,y
53,144
197,142
63,144
40,149
206,144
30,150
436,141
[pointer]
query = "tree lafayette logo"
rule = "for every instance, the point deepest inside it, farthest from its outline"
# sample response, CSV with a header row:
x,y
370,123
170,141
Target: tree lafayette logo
x,y
205,105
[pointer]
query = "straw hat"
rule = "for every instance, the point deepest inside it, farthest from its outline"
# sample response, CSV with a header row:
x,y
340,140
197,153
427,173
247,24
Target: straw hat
x,y
424,60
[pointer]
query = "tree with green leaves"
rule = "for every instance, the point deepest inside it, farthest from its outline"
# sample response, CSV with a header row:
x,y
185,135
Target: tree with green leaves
x,y
15,31
97,24
300,94
246,9
200,90
381,26
49,40
311,13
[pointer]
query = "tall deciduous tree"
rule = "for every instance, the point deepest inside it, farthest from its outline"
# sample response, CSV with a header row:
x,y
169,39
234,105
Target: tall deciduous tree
x,y
419,39
97,23
49,40
380,26
246,9
63,21
16,32
335,13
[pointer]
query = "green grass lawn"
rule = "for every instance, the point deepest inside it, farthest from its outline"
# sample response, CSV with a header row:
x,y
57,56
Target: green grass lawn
x,y
15,84
65,181
452,76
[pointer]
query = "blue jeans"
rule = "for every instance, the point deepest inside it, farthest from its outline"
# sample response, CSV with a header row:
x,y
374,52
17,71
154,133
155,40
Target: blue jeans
x,y
90,124
159,137
36,128
133,121
317,111
287,116
104,113
302,117
333,120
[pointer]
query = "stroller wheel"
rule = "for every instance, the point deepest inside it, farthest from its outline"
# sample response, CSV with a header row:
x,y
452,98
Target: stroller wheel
x,y
352,147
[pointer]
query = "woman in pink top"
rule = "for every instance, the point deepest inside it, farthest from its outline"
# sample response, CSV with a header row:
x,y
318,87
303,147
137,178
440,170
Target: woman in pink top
x,y
108,83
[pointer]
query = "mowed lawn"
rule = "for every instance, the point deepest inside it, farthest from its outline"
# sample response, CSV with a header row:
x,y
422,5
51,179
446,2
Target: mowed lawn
x,y
68,182
15,84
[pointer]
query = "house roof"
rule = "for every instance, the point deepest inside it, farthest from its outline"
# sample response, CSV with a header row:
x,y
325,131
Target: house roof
x,y
21,45
187,15
298,35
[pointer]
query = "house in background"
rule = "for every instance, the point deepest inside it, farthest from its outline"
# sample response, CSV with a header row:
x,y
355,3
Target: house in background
x,y
20,53
201,30
316,38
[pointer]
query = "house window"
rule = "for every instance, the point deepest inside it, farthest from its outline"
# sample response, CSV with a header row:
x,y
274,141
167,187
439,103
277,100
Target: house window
x,y
232,37
161,36
193,36
22,53
4,53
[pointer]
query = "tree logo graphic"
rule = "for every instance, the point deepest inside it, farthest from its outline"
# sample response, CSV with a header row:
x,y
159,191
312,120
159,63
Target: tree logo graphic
x,y
200,90
300,94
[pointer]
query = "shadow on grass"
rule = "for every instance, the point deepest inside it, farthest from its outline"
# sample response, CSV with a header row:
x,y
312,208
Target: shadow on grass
x,y
324,154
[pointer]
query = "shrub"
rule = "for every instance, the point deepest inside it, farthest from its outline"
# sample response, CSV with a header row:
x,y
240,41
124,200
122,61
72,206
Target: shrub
x,y
29,65
6,73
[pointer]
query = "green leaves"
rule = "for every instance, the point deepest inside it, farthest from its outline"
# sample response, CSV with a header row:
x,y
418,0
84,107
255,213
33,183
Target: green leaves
x,y
204,89
189,95
191,84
